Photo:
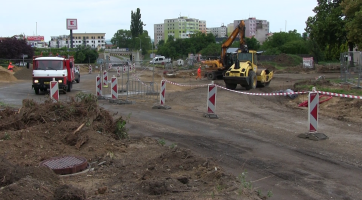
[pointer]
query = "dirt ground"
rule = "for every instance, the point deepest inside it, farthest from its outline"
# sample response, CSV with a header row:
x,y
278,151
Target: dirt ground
x,y
134,168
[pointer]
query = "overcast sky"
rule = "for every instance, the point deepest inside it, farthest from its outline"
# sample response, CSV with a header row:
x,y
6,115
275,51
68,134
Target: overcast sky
x,y
48,17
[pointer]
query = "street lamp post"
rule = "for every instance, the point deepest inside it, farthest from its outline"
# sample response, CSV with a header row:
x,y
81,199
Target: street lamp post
x,y
153,66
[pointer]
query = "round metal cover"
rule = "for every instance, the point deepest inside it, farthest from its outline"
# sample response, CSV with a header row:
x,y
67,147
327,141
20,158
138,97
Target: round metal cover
x,y
66,164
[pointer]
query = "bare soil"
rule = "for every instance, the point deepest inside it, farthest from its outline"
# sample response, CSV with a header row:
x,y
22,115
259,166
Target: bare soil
x,y
121,168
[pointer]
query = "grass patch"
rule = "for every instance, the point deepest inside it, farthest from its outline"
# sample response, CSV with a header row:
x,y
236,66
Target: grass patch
x,y
296,59
328,62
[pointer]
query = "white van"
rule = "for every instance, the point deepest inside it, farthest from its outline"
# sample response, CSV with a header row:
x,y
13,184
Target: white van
x,y
160,60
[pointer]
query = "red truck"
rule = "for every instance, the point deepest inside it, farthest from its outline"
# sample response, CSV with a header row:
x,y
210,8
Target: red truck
x,y
47,68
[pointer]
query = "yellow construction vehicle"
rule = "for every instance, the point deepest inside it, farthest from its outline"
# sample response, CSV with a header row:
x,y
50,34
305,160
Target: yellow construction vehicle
x,y
216,68
246,73
238,68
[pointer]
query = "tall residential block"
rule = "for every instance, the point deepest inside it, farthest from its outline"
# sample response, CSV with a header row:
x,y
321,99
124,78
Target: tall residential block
x,y
181,27
218,31
255,28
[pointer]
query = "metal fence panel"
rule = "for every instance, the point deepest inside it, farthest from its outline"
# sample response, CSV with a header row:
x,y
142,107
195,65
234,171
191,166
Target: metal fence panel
x,y
351,68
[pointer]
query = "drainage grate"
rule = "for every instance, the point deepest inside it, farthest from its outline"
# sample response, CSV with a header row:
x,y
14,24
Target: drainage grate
x,y
66,164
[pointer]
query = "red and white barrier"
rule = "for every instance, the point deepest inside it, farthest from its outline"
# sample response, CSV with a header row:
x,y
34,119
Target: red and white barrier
x,y
124,69
162,92
313,107
54,90
105,79
134,67
90,69
114,87
211,99
109,66
98,86
118,72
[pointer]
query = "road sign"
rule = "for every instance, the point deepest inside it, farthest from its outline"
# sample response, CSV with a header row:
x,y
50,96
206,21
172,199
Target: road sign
x,y
25,56
99,60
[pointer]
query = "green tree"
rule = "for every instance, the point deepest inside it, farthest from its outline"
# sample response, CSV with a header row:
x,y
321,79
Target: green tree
x,y
123,39
285,42
326,27
352,10
136,23
85,54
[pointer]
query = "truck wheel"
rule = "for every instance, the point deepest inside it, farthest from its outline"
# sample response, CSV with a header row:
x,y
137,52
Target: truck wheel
x,y
78,79
36,90
231,86
252,80
69,87
211,76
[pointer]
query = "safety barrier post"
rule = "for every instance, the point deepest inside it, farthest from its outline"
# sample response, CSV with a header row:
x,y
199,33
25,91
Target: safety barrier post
x,y
98,86
211,101
114,87
118,72
313,108
105,79
54,90
90,69
162,97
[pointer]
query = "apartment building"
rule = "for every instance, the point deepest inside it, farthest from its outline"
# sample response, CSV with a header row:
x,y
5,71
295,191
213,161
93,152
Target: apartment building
x,y
181,27
218,32
158,33
255,28
93,40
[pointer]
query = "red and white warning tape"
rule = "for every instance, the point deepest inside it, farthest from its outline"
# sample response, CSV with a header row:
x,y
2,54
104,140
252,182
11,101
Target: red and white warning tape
x,y
263,94
173,83
340,95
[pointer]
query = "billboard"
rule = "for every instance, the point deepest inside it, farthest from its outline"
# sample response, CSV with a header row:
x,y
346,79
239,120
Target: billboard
x,y
35,38
72,24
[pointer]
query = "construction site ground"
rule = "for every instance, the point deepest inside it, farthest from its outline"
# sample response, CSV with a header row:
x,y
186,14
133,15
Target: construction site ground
x,y
252,151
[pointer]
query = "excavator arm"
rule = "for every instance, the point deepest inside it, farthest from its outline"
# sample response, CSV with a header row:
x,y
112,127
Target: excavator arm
x,y
240,29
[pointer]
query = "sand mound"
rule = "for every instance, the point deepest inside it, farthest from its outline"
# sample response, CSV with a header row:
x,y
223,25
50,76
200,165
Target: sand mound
x,y
6,75
24,74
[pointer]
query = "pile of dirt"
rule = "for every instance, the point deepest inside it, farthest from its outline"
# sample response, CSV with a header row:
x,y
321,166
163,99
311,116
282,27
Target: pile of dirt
x,y
24,73
284,60
6,75
140,168
344,109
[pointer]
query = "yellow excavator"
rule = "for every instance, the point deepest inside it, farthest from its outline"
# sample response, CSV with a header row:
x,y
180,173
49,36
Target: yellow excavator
x,y
240,67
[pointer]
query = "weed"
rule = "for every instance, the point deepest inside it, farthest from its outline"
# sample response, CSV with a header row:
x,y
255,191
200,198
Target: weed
x,y
121,130
173,145
111,155
260,194
244,182
269,194
6,136
162,142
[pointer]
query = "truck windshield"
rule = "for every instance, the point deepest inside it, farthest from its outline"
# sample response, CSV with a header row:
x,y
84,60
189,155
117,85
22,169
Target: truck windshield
x,y
245,57
48,65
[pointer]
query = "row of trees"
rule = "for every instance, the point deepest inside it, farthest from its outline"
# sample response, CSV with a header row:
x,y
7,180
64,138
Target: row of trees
x,y
335,28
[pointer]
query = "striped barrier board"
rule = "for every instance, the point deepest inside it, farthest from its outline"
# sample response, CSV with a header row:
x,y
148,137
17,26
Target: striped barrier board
x,y
98,86
114,87
54,90
105,79
211,101
162,92
313,107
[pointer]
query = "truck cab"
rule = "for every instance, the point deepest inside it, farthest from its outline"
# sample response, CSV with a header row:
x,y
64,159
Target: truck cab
x,y
47,68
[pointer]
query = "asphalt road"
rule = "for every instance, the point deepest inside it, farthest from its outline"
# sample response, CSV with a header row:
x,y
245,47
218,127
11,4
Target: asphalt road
x,y
291,168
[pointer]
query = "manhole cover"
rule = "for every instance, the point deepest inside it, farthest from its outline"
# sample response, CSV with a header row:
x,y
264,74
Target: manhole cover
x,y
66,164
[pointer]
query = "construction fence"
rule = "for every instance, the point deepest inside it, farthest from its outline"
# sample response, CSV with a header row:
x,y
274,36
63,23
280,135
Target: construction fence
x,y
351,68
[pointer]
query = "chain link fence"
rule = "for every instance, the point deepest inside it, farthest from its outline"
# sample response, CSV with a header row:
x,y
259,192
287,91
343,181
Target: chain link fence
x,y
351,68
